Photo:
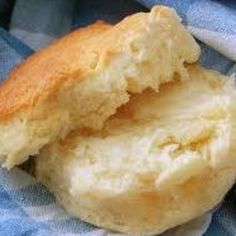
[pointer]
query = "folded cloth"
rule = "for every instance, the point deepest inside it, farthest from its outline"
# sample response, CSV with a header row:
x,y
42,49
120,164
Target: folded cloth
x,y
27,208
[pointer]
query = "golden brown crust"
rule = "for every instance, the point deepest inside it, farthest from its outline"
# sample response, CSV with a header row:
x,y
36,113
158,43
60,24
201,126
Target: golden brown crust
x,y
43,73
72,57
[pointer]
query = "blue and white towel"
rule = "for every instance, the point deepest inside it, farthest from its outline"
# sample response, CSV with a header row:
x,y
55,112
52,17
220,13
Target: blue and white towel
x,y
26,207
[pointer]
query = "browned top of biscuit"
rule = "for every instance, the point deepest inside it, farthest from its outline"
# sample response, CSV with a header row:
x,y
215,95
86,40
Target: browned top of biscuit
x,y
44,72
73,57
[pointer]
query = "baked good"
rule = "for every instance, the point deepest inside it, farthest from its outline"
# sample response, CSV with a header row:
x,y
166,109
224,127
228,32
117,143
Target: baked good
x,y
163,158
82,79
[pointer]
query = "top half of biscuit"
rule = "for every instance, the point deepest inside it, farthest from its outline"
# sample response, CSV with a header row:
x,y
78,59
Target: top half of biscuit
x,y
141,39
80,80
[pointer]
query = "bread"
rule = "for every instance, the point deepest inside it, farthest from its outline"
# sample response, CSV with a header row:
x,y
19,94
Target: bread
x,y
163,159
82,79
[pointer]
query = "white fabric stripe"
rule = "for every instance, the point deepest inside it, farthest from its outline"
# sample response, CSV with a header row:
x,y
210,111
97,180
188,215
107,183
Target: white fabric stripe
x,y
47,212
101,232
225,44
96,232
195,227
16,179
33,39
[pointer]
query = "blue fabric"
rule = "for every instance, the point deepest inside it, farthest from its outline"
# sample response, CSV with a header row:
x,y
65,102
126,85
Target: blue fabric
x,y
12,51
26,207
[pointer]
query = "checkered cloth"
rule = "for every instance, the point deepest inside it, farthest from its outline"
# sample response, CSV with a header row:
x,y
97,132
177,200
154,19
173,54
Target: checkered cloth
x,y
26,207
